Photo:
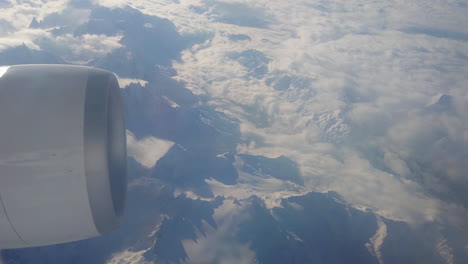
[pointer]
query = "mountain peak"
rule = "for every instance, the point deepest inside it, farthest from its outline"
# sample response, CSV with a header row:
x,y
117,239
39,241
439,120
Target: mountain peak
x,y
34,23
441,103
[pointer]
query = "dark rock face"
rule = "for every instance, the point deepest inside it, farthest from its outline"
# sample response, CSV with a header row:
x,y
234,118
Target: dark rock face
x,y
148,41
444,104
24,55
321,228
282,81
188,169
255,61
280,168
313,228
186,217
239,37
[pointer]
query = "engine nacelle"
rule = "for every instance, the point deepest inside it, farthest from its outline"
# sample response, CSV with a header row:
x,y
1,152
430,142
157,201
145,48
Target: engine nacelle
x,y
62,154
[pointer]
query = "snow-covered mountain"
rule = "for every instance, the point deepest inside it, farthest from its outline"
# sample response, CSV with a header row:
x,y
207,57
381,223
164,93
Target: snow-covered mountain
x,y
272,132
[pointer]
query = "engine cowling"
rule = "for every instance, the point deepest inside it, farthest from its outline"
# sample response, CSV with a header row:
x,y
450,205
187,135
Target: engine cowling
x,y
62,154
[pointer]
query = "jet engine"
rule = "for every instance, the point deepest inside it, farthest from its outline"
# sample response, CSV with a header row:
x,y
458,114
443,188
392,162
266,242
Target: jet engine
x,y
62,154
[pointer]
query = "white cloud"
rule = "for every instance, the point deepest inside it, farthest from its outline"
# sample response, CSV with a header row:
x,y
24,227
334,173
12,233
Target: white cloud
x,y
178,12
72,48
129,257
80,49
219,245
147,151
21,13
270,190
171,102
25,36
372,79
89,45
53,15
124,82
376,241
445,251
396,164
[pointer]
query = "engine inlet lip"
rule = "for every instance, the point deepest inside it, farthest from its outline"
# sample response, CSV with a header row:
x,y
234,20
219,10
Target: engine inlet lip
x,y
105,150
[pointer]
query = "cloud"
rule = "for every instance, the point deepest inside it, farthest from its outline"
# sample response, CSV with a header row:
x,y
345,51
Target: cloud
x,y
375,242
147,151
129,257
71,48
350,91
235,13
445,251
124,82
83,48
220,245
361,124
178,12
69,17
54,16
269,189
21,13
25,36
54,31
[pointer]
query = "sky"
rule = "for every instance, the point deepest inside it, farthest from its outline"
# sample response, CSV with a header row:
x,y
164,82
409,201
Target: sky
x,y
368,98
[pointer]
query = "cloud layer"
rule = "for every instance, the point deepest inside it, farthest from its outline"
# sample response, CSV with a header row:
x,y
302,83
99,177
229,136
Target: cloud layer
x,y
147,151
365,99
349,95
